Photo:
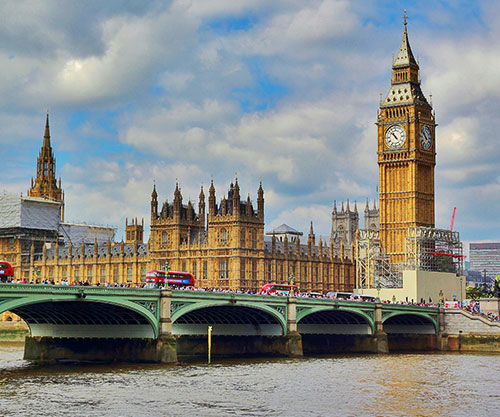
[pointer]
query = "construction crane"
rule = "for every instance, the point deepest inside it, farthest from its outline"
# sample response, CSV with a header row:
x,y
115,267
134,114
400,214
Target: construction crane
x,y
453,219
452,255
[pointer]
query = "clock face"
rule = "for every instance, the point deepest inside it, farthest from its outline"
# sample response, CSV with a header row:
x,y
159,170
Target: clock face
x,y
426,138
395,137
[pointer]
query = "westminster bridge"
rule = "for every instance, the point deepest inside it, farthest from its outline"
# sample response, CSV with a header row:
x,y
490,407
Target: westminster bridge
x,y
136,324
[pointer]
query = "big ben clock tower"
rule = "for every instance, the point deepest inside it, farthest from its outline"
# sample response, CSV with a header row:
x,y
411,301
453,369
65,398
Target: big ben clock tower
x,y
406,155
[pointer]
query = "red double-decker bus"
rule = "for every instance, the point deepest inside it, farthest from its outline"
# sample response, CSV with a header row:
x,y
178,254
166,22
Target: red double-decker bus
x,y
280,289
6,271
156,278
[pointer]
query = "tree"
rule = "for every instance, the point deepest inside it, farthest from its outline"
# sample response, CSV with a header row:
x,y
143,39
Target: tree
x,y
475,293
496,287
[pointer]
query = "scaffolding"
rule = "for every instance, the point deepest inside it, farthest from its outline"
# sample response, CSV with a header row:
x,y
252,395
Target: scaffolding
x,y
373,266
426,249
437,250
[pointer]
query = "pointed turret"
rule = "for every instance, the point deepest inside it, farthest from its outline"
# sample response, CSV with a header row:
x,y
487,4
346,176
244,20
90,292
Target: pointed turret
x,y
211,200
334,206
260,202
249,206
311,239
177,202
236,199
201,207
154,204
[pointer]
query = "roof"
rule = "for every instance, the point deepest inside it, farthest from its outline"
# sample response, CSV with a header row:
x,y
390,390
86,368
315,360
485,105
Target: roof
x,y
284,228
405,56
404,93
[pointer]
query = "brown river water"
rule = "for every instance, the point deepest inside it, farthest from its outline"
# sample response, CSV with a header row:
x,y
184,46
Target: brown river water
x,y
349,385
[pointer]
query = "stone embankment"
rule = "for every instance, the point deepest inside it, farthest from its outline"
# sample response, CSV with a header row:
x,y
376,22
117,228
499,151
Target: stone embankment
x,y
13,331
466,332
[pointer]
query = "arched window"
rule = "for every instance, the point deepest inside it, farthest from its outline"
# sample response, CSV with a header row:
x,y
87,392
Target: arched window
x,y
223,236
242,238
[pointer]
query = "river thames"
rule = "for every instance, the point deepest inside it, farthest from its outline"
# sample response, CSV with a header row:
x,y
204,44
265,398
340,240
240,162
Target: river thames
x,y
356,385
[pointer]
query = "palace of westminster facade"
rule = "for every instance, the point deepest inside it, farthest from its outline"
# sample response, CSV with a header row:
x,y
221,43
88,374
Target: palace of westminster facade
x,y
222,247
225,245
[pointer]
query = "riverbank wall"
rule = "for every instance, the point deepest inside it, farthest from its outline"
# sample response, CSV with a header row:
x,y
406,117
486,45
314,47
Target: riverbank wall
x,y
462,331
13,331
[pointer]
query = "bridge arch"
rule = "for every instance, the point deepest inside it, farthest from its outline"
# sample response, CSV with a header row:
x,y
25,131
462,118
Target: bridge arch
x,y
89,317
227,318
328,320
410,323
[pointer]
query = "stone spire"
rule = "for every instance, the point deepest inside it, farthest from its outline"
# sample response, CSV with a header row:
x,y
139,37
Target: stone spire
x,y
260,202
405,55
405,80
311,239
212,209
177,202
154,203
201,207
236,199
45,184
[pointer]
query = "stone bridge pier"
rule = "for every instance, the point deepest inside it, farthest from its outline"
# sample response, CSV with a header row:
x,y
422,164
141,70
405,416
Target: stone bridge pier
x,y
166,344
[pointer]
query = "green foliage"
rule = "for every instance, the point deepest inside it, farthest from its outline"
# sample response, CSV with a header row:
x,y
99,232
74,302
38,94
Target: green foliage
x,y
475,293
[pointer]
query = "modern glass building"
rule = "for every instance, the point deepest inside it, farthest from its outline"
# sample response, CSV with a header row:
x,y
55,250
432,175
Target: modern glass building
x,y
485,257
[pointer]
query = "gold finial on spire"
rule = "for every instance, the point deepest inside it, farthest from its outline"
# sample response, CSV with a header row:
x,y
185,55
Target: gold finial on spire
x,y
404,18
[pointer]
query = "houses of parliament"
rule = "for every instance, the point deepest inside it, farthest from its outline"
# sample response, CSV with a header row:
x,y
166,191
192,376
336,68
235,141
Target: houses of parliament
x,y
224,245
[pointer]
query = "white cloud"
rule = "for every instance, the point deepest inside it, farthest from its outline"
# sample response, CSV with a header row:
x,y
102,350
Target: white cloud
x,y
170,91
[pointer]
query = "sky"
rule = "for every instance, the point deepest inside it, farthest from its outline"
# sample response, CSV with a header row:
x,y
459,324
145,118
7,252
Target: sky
x,y
283,92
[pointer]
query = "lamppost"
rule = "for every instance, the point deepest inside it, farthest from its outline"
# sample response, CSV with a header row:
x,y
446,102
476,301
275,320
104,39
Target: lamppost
x,y
485,283
36,274
441,298
167,270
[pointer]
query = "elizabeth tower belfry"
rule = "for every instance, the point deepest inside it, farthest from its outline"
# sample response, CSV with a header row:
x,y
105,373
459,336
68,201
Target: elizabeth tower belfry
x,y
406,155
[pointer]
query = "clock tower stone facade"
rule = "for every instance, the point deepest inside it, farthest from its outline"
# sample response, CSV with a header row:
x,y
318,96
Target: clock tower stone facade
x,y
406,155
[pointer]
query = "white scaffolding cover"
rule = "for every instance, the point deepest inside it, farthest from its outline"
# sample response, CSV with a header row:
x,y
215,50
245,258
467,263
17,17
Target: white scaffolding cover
x,y
76,233
28,212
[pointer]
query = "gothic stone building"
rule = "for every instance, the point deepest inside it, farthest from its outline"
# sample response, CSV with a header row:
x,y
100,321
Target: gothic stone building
x,y
345,223
224,247
230,250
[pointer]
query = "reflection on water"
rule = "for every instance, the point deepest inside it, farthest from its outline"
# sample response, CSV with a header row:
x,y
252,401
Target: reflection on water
x,y
358,385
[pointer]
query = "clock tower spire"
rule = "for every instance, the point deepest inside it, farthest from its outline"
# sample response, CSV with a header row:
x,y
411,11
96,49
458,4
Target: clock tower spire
x,y
406,154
